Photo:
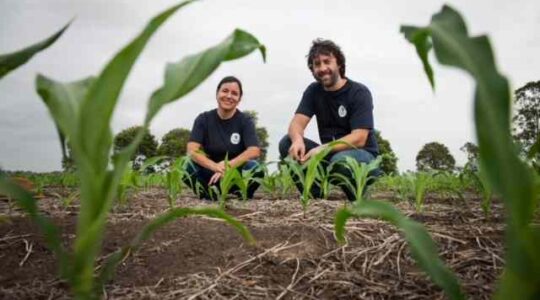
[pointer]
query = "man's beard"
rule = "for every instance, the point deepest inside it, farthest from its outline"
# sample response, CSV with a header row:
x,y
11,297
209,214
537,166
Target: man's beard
x,y
333,80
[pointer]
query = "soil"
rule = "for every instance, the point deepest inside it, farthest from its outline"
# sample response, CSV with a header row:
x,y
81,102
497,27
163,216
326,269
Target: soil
x,y
295,256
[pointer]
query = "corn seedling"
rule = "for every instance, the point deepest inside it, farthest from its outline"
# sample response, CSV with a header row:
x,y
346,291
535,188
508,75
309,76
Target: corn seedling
x,y
421,184
248,177
269,181
278,183
90,137
174,179
130,180
506,173
398,184
230,178
286,182
482,184
359,175
324,177
308,174
448,185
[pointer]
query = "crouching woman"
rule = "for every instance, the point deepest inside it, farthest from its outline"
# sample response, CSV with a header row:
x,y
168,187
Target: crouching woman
x,y
221,134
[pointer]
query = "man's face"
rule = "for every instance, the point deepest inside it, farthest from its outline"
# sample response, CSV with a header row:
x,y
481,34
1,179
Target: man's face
x,y
326,70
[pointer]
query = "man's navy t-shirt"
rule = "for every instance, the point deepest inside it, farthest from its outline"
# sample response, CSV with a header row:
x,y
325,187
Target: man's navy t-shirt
x,y
223,138
339,112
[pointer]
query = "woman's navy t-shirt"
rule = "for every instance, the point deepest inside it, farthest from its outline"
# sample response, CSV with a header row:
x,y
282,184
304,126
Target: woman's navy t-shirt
x,y
224,138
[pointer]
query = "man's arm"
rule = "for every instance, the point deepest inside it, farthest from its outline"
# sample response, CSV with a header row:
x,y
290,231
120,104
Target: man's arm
x,y
296,134
356,139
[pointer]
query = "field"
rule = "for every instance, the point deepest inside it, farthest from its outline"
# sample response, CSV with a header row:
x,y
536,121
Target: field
x,y
295,257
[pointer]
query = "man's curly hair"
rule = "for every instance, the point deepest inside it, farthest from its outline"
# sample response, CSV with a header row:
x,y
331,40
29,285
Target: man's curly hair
x,y
326,47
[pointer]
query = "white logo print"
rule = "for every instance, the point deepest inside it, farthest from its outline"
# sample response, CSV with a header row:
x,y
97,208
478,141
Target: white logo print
x,y
342,111
235,138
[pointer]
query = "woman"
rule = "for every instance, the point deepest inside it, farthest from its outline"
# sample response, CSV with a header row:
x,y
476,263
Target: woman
x,y
220,134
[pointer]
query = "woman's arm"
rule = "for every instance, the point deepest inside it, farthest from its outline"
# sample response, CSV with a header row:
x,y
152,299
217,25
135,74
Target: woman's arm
x,y
193,150
251,152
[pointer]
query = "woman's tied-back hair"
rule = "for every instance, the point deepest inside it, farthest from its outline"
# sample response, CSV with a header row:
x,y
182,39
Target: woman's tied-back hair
x,y
228,79
326,47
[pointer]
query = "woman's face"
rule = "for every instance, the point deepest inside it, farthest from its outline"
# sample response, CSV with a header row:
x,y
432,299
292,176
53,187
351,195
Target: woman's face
x,y
228,96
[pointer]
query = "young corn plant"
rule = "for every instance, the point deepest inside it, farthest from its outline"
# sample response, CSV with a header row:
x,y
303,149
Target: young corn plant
x,y
246,179
230,178
130,180
90,137
269,182
309,173
360,175
324,177
421,183
506,173
285,180
174,179
401,185
448,185
482,184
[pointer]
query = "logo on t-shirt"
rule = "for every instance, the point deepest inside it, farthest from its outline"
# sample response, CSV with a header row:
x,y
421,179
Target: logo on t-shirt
x,y
342,111
235,138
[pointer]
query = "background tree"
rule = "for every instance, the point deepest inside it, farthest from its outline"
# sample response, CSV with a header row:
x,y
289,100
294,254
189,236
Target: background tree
x,y
389,160
526,121
174,142
472,152
262,134
435,156
148,146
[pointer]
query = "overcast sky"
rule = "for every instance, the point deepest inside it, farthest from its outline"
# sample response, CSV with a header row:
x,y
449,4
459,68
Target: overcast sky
x,y
406,111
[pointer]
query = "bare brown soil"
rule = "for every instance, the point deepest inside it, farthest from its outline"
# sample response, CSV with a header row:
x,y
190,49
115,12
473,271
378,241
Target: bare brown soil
x,y
295,257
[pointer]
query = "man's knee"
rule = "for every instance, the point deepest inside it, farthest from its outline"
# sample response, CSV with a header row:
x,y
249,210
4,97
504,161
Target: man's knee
x,y
284,145
251,165
360,155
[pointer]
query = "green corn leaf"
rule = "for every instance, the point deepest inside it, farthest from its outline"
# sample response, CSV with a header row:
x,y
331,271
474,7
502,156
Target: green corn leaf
x,y
184,76
422,246
11,61
94,140
95,133
420,38
171,215
64,103
506,173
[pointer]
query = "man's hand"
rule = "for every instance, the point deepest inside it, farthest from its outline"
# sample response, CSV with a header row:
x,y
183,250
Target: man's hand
x,y
219,167
215,178
311,153
297,150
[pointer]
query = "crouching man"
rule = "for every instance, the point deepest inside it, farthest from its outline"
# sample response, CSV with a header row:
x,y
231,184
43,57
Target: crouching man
x,y
344,111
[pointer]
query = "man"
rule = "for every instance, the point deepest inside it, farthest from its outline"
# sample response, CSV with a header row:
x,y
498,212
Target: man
x,y
344,111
